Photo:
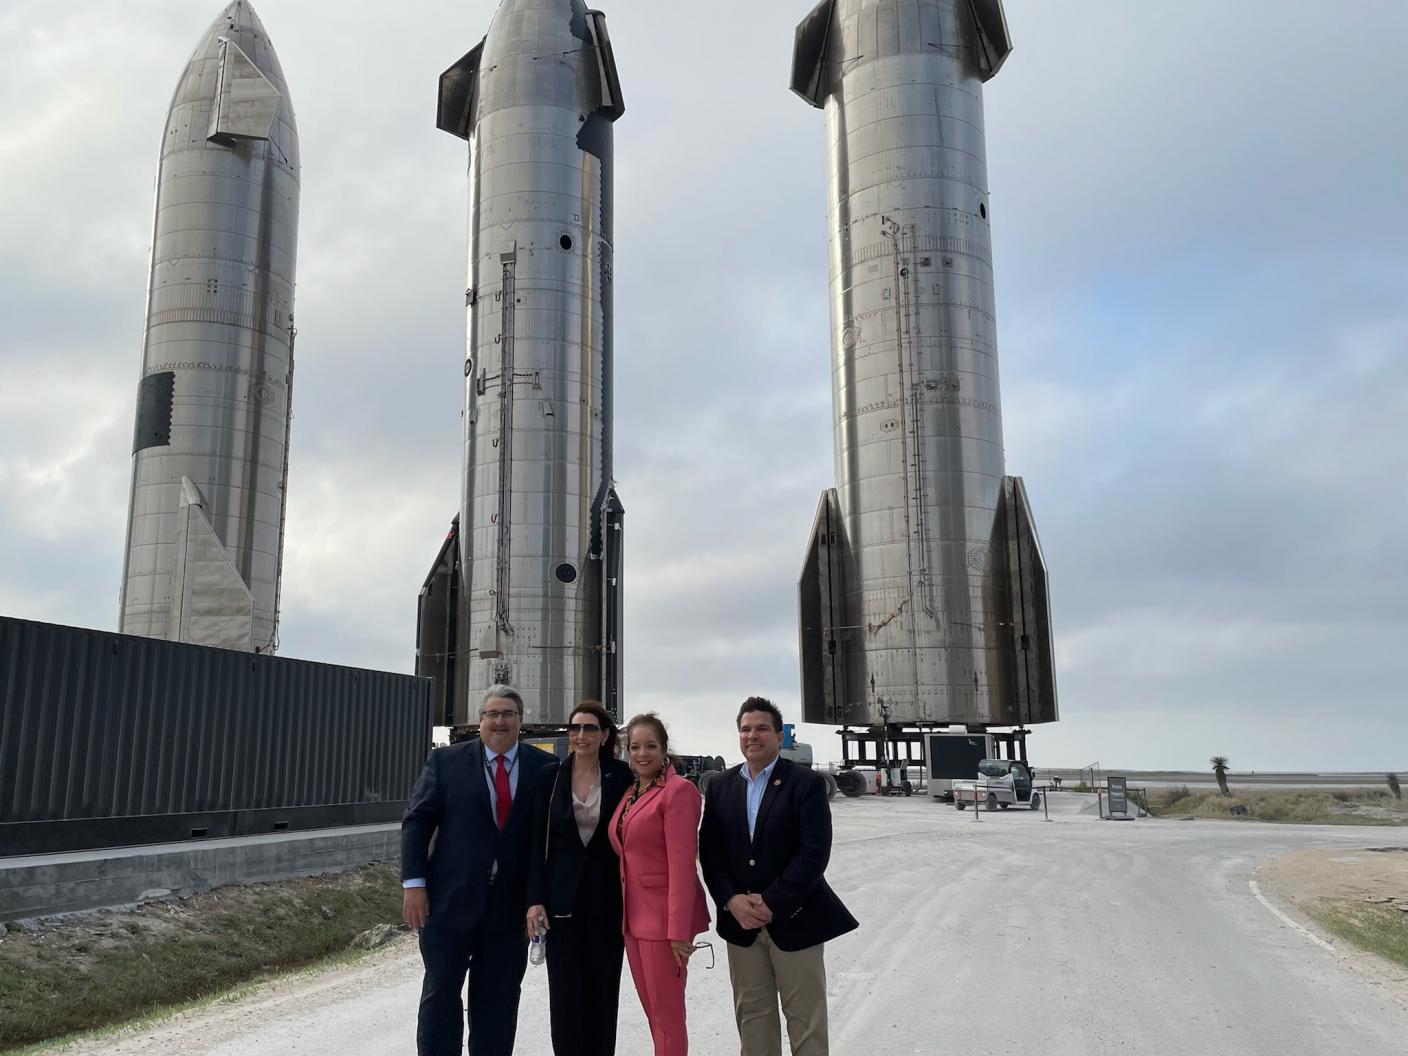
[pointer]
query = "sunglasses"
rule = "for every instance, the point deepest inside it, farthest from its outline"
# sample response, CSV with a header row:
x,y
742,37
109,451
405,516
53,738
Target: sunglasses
x,y
583,727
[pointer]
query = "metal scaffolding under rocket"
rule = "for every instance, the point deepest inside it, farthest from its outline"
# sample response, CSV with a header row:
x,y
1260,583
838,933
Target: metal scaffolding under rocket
x,y
527,588
210,448
923,595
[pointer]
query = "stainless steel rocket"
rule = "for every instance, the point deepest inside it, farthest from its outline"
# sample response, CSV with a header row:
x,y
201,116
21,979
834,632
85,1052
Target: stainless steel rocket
x,y
923,596
527,588
210,448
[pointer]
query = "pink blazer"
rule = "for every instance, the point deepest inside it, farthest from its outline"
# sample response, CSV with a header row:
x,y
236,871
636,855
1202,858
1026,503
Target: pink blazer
x,y
660,885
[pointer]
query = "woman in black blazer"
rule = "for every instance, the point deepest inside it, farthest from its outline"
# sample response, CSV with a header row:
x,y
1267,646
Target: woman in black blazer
x,y
574,885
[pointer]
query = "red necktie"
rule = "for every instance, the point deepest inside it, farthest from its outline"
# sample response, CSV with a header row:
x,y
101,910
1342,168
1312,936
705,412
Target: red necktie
x,y
503,792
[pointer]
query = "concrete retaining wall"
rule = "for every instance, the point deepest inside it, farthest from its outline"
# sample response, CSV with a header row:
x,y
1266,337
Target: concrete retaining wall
x,y
45,884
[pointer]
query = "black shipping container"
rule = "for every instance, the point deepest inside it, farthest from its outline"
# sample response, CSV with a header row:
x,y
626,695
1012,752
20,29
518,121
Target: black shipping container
x,y
110,740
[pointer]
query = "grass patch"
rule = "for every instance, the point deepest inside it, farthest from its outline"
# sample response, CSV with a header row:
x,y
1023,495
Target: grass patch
x,y
107,968
245,989
1360,806
1380,929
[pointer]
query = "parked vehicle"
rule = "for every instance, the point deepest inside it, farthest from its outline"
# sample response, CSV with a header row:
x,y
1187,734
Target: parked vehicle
x,y
873,781
1001,783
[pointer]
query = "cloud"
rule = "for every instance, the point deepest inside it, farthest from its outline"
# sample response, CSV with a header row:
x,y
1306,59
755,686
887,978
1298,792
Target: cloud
x,y
1200,274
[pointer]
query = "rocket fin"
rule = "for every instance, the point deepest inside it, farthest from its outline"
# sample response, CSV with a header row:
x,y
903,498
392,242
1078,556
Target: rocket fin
x,y
824,623
459,94
245,102
1033,651
612,104
438,630
809,57
210,604
993,43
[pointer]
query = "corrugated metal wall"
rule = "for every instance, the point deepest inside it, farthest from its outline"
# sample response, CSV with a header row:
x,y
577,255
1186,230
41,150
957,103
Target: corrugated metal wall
x,y
108,739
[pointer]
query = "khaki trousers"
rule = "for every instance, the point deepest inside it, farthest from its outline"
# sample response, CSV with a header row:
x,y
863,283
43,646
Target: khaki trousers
x,y
762,975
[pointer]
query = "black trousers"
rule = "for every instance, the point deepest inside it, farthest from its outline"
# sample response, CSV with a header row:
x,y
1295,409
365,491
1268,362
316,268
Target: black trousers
x,y
494,955
584,984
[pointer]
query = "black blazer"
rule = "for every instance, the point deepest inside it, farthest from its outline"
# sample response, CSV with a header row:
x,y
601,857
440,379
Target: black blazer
x,y
449,836
784,861
562,873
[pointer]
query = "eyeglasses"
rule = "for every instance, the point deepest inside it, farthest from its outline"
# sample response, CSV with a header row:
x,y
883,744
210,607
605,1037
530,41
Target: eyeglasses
x,y
497,715
583,727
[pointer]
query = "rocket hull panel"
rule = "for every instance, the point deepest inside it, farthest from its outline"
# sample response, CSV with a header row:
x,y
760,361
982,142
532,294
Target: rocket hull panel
x,y
920,468
536,101
220,327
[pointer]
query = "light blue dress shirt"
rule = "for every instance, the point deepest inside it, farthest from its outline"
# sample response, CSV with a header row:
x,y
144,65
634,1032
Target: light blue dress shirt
x,y
756,787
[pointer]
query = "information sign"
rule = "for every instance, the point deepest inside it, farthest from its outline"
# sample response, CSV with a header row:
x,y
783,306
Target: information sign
x,y
1119,795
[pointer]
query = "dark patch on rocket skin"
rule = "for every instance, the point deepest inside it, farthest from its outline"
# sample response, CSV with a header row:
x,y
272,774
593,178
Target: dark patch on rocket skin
x,y
579,21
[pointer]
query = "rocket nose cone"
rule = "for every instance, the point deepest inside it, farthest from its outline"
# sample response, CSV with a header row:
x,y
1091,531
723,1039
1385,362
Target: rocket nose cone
x,y
243,12
537,16
535,27
199,82
239,16
240,23
553,52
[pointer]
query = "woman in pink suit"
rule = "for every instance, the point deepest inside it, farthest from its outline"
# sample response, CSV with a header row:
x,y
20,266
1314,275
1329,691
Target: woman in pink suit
x,y
655,831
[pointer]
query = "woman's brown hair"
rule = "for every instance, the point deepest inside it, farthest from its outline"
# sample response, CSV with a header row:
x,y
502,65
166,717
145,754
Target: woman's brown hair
x,y
604,720
653,720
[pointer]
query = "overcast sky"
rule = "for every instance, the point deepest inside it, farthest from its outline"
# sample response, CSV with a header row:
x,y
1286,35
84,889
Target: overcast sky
x,y
1201,246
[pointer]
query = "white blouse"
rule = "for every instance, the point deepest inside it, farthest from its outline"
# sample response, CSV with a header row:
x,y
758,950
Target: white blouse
x,y
587,812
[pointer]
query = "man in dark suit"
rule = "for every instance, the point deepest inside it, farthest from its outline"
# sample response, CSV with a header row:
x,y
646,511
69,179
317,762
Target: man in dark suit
x,y
464,868
764,843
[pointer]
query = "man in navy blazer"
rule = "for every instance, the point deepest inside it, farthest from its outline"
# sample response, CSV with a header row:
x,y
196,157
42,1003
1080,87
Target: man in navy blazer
x,y
464,868
764,844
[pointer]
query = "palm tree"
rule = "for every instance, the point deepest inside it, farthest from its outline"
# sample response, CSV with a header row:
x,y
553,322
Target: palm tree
x,y
1393,786
1219,771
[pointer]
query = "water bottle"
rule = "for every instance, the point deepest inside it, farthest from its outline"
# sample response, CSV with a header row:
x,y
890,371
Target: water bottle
x,y
538,949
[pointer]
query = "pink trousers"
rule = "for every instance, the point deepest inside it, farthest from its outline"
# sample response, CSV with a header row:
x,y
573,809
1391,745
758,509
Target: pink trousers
x,y
660,984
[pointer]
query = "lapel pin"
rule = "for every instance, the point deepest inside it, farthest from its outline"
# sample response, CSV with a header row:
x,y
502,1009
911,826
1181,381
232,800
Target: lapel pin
x,y
776,781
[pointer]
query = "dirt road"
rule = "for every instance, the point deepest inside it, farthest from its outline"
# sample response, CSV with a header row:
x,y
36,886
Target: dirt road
x,y
996,934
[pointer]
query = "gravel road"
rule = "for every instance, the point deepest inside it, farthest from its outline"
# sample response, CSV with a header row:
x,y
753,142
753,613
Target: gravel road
x,y
1000,934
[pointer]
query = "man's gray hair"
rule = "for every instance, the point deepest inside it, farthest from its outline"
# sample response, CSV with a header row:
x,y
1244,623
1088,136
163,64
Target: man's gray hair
x,y
503,692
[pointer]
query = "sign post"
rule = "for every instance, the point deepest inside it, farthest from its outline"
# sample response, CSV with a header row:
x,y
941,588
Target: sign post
x,y
1119,795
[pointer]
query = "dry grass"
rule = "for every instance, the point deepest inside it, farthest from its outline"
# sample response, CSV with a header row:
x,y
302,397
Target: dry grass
x,y
101,969
1380,929
1296,806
